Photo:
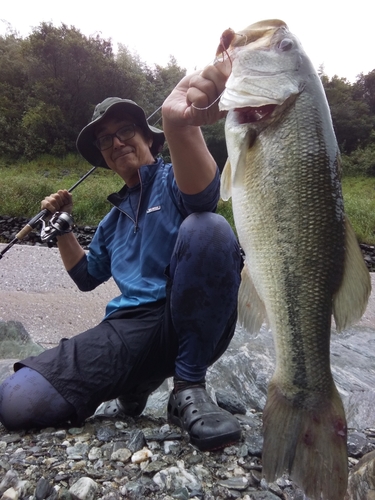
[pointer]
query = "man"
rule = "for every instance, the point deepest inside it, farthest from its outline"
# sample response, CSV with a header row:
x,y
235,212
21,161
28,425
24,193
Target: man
x,y
176,263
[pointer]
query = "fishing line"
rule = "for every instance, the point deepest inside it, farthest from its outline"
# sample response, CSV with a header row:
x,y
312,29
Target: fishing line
x,y
154,113
208,107
221,59
222,55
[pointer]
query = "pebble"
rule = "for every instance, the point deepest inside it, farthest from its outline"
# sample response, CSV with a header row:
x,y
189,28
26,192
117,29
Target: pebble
x,y
98,461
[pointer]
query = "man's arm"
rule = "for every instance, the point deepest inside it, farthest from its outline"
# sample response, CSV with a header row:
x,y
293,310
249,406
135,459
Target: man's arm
x,y
193,102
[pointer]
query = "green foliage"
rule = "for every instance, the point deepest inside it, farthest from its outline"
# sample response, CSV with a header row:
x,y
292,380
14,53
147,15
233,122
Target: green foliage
x,y
224,208
214,136
51,81
24,184
359,201
364,88
361,161
351,115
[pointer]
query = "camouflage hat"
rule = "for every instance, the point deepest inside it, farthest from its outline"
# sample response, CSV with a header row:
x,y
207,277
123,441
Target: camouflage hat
x,y
86,138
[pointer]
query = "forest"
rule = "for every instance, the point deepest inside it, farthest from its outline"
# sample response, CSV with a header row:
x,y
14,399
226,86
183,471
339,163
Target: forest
x,y
51,81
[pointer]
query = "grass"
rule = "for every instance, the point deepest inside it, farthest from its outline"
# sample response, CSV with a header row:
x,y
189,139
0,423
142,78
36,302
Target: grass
x,y
359,199
24,184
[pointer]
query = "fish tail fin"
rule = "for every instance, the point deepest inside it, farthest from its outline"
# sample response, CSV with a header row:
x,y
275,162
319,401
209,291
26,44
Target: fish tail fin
x,y
309,443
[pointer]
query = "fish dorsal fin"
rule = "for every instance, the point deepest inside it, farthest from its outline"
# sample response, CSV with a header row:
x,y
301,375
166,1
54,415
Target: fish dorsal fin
x,y
251,310
226,182
350,301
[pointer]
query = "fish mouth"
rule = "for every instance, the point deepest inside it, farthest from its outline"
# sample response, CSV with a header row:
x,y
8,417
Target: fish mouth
x,y
250,114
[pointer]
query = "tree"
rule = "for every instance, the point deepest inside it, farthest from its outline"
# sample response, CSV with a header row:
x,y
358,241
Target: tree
x,y
67,73
13,92
51,81
351,116
364,88
160,83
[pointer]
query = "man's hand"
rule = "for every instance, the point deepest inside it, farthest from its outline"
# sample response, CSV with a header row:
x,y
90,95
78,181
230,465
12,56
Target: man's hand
x,y
58,202
194,101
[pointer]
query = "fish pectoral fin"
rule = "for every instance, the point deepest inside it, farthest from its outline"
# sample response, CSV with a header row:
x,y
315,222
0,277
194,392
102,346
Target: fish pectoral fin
x,y
226,182
251,310
350,301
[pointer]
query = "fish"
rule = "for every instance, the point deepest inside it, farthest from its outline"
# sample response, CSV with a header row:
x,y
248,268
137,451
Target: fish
x,y
303,264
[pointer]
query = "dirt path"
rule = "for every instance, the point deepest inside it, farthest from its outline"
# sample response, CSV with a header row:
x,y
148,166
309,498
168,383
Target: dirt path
x,y
36,290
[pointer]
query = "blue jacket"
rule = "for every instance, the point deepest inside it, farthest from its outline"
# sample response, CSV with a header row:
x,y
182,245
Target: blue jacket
x,y
135,240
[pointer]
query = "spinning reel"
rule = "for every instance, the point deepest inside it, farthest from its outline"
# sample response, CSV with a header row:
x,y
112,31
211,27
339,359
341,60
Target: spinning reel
x,y
60,223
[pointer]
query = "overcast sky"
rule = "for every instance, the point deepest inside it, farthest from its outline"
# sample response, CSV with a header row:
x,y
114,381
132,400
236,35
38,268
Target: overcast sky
x,y
337,35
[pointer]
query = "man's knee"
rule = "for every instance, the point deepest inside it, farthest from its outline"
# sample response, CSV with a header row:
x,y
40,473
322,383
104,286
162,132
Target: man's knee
x,y
10,403
28,400
207,228
199,220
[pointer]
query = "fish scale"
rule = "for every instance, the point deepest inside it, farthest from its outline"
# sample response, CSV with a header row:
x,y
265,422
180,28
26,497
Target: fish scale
x,y
303,262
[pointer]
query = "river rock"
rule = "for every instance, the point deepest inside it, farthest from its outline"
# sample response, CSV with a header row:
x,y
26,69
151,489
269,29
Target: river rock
x,y
362,479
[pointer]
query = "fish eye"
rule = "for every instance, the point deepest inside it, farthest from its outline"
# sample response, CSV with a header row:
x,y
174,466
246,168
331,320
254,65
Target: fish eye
x,y
285,44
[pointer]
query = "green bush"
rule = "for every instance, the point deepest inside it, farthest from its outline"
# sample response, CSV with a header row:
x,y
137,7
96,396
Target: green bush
x,y
361,162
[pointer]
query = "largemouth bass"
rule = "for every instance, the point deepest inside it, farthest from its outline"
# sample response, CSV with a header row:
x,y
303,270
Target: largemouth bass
x,y
303,263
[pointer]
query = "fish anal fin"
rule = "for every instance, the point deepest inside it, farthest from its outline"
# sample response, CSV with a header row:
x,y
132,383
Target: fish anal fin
x,y
251,310
309,443
350,301
226,182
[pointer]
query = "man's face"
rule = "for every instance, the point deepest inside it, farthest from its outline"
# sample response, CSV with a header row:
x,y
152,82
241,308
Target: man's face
x,y
125,157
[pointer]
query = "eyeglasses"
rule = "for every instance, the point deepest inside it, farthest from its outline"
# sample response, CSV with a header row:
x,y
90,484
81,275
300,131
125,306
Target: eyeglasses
x,y
122,134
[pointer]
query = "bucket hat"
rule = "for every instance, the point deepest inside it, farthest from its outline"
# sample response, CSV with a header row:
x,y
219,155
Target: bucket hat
x,y
86,138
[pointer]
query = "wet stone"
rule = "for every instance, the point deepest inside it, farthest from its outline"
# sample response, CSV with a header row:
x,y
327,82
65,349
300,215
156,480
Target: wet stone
x,y
84,489
121,455
43,489
105,433
235,483
254,445
358,444
136,441
230,402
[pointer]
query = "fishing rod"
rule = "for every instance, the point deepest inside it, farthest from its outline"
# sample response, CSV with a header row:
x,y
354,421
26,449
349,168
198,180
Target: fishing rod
x,y
60,223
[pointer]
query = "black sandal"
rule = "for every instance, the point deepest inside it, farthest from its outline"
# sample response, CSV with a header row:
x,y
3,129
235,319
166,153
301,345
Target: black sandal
x,y
209,426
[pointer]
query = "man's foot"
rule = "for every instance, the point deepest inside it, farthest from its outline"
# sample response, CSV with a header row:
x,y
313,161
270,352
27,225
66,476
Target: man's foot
x,y
122,407
208,426
130,404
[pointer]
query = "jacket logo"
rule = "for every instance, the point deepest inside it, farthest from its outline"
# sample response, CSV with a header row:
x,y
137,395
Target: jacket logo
x,y
153,209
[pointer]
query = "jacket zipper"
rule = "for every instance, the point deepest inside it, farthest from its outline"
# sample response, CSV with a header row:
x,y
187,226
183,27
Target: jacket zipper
x,y
135,222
